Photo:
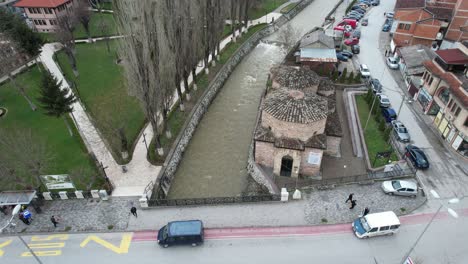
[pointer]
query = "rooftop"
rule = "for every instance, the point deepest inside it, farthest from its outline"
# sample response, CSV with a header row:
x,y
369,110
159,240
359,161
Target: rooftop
x,y
410,4
453,56
295,106
294,77
414,56
314,54
425,31
318,35
315,141
41,3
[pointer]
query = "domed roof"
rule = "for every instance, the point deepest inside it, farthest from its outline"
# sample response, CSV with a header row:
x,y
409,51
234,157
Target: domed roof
x,y
294,77
295,106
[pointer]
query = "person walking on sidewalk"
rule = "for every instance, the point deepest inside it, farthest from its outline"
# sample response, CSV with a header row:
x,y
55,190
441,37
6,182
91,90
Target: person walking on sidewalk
x,y
353,204
54,220
350,198
133,210
366,211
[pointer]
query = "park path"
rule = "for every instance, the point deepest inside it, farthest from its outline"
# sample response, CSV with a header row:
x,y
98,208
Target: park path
x,y
139,171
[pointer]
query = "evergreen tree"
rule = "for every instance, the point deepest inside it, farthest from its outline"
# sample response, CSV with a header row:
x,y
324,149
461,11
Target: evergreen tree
x,y
350,79
343,75
357,79
55,101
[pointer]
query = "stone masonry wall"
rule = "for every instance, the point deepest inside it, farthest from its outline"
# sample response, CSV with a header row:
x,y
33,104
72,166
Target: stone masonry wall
x,y
292,130
166,175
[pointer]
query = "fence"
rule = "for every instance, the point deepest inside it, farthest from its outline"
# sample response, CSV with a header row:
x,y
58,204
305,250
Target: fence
x,y
92,194
213,200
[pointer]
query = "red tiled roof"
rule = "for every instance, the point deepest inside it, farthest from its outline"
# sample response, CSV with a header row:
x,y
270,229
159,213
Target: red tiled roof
x,y
40,3
440,12
433,68
453,56
427,32
455,88
410,4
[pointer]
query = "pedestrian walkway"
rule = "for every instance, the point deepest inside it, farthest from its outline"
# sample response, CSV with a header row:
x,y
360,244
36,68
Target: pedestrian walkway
x,y
317,207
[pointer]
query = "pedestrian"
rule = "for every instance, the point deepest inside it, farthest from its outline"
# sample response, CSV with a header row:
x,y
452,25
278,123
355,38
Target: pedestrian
x,y
384,14
386,52
366,211
133,210
54,220
350,197
353,204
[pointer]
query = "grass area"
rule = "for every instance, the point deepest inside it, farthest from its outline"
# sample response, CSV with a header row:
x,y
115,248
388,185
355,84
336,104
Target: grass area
x,y
287,8
374,137
177,118
94,27
102,89
106,5
69,152
264,7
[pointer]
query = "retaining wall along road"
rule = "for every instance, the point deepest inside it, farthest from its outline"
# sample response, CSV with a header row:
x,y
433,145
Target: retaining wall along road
x,y
167,172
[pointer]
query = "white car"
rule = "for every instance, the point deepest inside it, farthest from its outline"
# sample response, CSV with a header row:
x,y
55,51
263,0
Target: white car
x,y
392,63
400,187
383,99
364,70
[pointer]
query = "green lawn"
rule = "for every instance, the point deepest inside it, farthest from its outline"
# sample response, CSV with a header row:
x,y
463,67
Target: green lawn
x,y
265,7
102,89
69,152
373,136
288,8
231,47
94,26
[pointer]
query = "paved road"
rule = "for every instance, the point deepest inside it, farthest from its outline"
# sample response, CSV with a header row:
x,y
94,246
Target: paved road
x,y
445,176
444,242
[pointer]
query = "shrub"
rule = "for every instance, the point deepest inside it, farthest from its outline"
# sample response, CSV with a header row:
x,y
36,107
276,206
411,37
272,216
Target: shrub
x,y
382,124
376,107
350,79
343,75
387,132
335,75
357,78
369,97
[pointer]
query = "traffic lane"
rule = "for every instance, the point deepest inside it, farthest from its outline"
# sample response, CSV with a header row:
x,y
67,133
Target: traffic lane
x,y
444,175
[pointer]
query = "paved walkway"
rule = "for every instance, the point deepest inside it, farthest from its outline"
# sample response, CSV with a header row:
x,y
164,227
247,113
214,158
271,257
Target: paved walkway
x,y
317,207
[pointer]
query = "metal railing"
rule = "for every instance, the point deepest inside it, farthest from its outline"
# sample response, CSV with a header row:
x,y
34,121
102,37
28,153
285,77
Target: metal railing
x,y
213,200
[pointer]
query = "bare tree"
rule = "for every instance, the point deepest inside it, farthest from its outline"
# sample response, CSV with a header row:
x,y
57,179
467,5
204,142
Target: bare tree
x,y
234,10
84,176
10,58
83,15
64,34
104,29
23,156
289,36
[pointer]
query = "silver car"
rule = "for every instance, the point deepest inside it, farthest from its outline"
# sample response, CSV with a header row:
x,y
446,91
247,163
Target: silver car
x,y
400,131
392,63
400,187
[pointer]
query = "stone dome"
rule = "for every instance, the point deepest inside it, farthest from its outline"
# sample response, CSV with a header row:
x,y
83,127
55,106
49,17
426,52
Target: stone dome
x,y
295,106
293,77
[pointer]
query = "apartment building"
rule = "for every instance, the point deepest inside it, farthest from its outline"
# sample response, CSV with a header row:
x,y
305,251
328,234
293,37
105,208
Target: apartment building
x,y
44,13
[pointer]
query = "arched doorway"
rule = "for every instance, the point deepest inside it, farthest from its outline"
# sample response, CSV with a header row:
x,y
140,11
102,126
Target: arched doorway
x,y
286,166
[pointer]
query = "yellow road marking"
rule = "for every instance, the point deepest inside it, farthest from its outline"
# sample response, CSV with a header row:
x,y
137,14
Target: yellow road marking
x,y
48,238
43,253
4,244
47,245
123,248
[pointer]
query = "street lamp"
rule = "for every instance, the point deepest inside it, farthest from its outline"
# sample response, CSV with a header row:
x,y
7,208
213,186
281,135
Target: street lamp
x,y
13,213
450,211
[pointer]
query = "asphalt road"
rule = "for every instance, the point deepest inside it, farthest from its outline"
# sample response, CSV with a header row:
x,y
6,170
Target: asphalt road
x,y
444,176
444,241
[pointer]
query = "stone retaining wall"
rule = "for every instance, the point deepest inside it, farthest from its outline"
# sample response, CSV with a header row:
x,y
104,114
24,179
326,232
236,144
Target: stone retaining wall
x,y
166,175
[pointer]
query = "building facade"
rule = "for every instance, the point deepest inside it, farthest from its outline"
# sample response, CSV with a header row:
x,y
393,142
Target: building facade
x,y
44,14
458,29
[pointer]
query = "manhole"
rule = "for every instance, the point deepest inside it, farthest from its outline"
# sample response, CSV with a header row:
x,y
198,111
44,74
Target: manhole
x,y
3,111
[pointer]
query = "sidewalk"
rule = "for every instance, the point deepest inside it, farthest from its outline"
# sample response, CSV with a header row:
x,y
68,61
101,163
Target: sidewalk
x,y
317,207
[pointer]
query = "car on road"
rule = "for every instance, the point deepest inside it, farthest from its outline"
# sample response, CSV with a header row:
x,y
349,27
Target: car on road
x,y
417,157
355,49
351,41
389,14
365,22
375,2
377,224
383,99
347,53
376,86
364,70
400,187
341,57
389,114
400,131
392,63
386,27
357,34
181,232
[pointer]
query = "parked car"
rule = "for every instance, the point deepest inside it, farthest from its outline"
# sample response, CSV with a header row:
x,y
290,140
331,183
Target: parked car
x,y
357,34
347,34
352,17
355,13
389,114
376,86
351,41
181,232
365,22
352,22
400,187
356,7
364,70
355,49
347,53
400,131
389,14
384,101
417,157
392,63
386,28
375,2
341,57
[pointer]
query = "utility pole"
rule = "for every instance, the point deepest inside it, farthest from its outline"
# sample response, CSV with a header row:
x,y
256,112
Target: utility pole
x,y
370,112
401,105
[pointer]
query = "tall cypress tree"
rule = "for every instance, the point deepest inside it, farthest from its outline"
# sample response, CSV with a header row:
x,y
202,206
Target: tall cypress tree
x,y
55,101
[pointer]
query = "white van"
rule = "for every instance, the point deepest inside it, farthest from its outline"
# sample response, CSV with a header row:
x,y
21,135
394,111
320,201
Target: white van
x,y
378,224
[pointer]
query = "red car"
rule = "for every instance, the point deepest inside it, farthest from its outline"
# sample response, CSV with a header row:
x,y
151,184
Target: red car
x,y
351,41
353,23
